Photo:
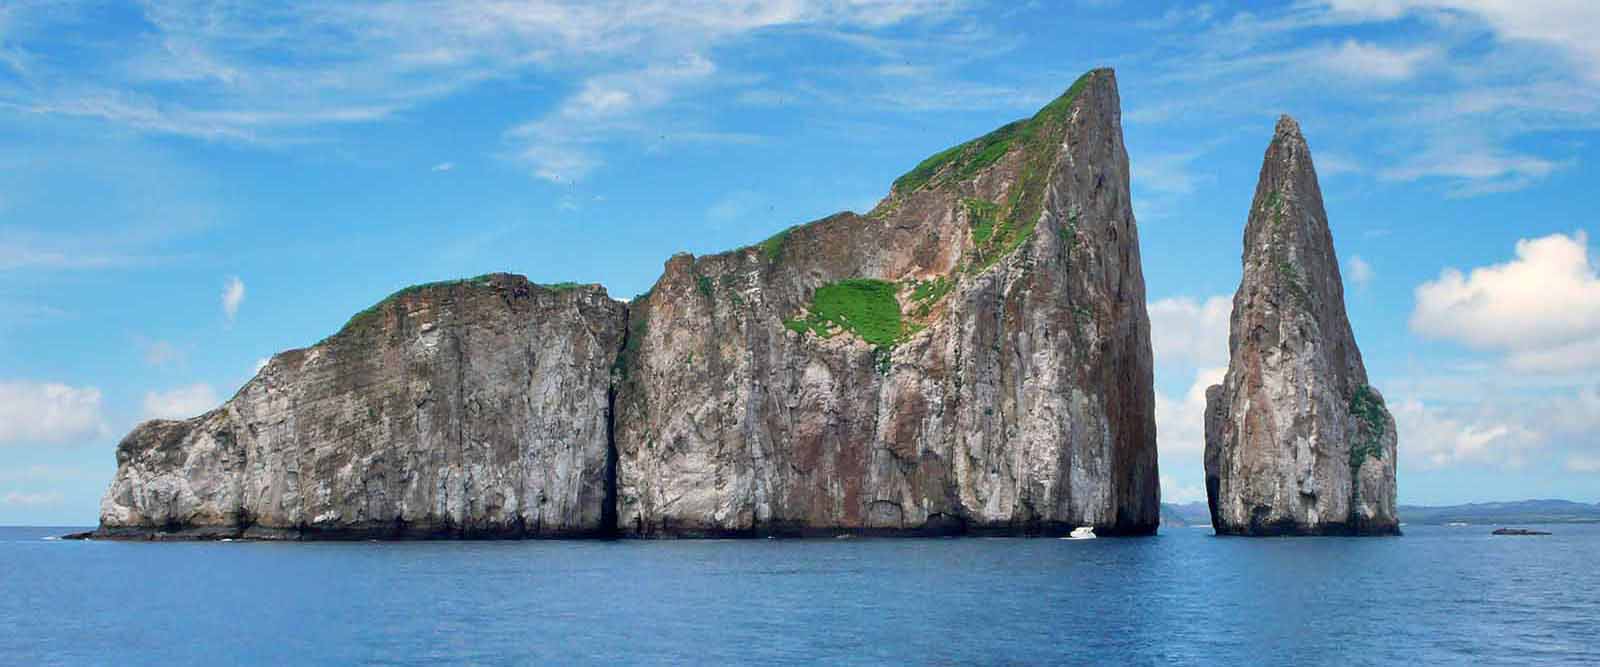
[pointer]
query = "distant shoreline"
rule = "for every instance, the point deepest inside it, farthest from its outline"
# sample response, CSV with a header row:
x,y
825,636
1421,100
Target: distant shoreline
x,y
1530,512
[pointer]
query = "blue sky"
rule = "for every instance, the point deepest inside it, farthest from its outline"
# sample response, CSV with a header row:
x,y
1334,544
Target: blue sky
x,y
187,187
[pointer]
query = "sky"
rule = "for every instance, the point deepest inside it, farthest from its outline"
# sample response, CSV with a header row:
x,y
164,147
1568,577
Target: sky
x,y
187,187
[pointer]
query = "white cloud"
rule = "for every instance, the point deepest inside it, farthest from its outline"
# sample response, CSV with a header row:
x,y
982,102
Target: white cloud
x,y
1363,60
1583,464
232,296
23,254
160,353
49,412
37,473
1180,422
23,499
1542,309
238,73
1432,437
444,166
1179,494
1483,170
1167,173
180,403
1332,164
558,146
733,206
1359,271
1187,331
1566,25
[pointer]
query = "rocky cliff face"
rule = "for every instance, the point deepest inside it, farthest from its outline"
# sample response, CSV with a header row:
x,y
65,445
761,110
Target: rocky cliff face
x,y
464,409
972,355
1296,441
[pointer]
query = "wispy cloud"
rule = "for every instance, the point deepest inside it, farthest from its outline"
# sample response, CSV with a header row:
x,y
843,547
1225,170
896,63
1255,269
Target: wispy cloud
x,y
1448,98
180,403
1359,272
229,72
161,354
1365,60
49,412
232,297
1191,331
26,499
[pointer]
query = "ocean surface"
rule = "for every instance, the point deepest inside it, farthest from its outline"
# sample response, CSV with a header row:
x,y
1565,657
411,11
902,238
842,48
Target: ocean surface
x,y
1436,596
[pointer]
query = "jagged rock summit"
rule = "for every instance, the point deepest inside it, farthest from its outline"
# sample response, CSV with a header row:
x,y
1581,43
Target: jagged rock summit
x,y
972,356
1297,442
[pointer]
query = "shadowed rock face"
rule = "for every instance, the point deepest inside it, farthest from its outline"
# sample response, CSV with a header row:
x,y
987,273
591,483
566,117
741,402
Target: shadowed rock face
x,y
1296,441
972,355
475,408
1015,396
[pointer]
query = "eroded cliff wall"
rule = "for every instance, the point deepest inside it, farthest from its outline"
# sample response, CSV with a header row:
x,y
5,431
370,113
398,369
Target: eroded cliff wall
x,y
1296,440
475,408
972,355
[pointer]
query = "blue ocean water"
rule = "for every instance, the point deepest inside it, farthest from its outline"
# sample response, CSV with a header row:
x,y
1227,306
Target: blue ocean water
x,y
1435,596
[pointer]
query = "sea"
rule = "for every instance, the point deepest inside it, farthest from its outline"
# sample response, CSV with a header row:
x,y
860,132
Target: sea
x,y
1437,596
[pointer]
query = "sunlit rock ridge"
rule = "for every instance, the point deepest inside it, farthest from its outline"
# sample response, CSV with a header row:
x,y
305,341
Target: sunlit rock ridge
x,y
970,357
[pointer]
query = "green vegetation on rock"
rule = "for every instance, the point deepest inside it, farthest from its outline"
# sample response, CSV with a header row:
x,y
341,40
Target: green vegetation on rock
x,y
361,317
1366,406
1033,135
981,216
964,161
1000,228
637,328
927,293
864,307
773,246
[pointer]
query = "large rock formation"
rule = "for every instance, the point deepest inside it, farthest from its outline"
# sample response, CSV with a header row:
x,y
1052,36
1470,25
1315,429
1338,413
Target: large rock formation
x,y
464,409
972,355
1296,440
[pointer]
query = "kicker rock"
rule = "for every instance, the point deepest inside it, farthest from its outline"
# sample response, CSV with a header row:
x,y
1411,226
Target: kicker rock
x,y
474,408
1297,443
971,356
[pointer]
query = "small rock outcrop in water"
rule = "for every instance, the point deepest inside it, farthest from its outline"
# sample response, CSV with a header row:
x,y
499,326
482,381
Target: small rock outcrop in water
x,y
1297,443
972,355
476,408
1518,531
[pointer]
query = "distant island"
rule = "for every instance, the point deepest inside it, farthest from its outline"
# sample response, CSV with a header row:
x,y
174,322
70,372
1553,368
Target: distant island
x,y
1517,512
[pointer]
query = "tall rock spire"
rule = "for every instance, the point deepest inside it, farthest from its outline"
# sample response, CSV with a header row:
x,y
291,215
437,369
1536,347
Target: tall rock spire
x,y
1296,441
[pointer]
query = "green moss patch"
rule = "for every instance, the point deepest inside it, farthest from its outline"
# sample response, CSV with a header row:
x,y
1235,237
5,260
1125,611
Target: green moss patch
x,y
638,326
982,215
365,315
1366,407
773,246
928,293
962,162
866,308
